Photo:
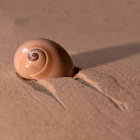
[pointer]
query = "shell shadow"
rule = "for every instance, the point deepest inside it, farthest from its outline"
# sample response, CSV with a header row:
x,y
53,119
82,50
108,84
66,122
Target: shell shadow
x,y
35,85
39,87
102,56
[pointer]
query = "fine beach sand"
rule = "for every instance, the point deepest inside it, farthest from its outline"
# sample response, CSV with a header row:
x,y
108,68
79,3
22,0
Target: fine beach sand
x,y
103,102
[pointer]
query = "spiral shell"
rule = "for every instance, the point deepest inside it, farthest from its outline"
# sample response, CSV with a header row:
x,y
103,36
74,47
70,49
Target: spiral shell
x,y
42,58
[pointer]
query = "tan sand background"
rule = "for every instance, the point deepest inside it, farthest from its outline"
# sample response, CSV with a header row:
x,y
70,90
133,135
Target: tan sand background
x,y
103,39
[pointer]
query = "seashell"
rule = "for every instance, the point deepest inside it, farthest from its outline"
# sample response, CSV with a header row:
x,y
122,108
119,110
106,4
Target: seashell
x,y
42,58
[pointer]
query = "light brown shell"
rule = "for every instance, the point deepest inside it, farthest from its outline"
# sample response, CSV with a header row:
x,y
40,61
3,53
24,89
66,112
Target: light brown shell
x,y
41,58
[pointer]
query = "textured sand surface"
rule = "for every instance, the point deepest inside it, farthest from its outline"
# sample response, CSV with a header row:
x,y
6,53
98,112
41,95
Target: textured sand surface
x,y
103,102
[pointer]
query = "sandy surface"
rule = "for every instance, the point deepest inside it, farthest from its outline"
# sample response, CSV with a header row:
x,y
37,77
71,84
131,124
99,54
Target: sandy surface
x,y
103,39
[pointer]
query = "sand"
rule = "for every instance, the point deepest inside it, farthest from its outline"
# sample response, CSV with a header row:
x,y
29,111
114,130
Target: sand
x,y
103,101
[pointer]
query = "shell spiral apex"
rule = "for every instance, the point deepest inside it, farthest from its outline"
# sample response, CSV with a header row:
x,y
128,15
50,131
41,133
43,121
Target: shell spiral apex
x,y
42,58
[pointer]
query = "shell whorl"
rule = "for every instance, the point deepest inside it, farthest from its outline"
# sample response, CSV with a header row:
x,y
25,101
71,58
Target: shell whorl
x,y
33,54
